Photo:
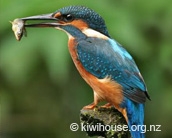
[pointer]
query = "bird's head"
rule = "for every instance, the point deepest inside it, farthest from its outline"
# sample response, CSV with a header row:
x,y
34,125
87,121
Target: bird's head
x,y
68,18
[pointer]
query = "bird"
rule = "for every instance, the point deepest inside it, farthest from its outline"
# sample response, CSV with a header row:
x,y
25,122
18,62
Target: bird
x,y
103,63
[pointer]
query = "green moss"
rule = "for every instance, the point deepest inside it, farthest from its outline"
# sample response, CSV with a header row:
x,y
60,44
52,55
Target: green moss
x,y
103,117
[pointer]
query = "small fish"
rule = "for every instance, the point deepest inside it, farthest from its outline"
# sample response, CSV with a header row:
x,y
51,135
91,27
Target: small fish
x,y
18,28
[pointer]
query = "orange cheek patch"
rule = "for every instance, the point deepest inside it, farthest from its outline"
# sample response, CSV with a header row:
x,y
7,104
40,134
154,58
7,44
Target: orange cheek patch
x,y
56,15
79,24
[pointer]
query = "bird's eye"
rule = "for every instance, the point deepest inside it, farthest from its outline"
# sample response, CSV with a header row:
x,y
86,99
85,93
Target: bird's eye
x,y
67,17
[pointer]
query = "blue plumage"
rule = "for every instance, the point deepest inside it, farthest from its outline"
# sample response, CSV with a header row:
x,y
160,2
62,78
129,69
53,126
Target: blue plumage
x,y
135,113
107,58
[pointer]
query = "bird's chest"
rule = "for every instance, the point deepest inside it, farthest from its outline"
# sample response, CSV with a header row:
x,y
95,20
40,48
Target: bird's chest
x,y
87,76
72,46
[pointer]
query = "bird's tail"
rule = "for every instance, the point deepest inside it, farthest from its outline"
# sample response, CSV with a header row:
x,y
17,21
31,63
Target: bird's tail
x,y
135,114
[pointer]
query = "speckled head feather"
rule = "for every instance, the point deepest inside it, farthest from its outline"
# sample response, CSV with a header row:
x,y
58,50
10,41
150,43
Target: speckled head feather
x,y
93,19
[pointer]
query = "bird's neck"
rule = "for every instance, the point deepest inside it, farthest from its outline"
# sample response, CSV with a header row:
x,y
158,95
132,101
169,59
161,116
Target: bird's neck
x,y
73,32
92,33
82,34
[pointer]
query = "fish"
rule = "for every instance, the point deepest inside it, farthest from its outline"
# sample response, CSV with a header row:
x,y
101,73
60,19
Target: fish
x,y
18,28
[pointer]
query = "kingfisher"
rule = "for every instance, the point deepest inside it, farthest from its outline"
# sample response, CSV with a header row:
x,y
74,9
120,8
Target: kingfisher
x,y
101,61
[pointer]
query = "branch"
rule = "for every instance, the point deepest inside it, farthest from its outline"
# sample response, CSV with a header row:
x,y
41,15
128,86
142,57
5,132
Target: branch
x,y
102,122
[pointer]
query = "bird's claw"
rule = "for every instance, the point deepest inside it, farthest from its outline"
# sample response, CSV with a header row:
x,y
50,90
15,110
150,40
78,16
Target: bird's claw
x,y
90,106
108,105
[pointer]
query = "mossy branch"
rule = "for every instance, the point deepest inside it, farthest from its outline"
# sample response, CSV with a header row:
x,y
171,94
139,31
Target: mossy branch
x,y
104,121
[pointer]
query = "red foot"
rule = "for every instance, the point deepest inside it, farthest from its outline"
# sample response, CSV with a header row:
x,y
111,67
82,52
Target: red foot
x,y
108,105
90,106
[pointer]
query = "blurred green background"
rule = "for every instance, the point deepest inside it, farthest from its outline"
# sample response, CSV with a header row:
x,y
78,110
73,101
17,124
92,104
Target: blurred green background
x,y
41,92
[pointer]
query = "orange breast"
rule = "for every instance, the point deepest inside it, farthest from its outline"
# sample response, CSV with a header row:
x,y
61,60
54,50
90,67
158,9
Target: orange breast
x,y
106,89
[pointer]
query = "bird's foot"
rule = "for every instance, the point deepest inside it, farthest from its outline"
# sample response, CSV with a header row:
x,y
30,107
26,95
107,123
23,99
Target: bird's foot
x,y
90,106
108,105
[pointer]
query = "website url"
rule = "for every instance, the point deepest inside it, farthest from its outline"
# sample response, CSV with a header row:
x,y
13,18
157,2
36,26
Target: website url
x,y
101,127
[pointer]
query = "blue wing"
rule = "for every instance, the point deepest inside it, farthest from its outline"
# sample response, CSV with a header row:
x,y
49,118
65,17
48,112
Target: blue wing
x,y
107,58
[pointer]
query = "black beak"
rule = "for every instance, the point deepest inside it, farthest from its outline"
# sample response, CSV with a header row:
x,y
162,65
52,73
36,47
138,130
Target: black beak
x,y
47,21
